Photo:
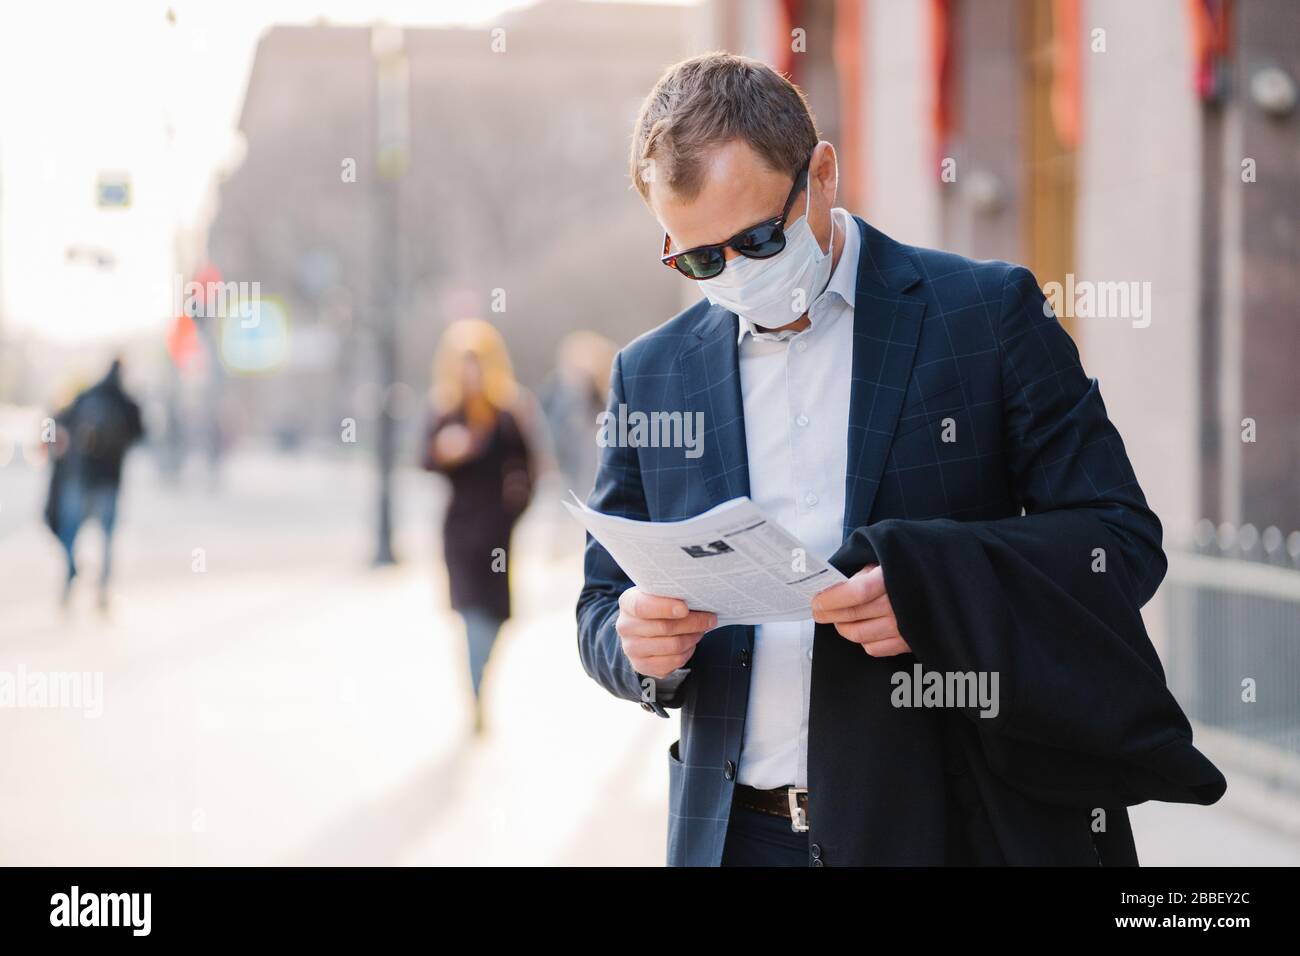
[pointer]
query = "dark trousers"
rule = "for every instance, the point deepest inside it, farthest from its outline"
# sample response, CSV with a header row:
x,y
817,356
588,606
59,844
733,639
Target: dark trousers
x,y
761,839
77,502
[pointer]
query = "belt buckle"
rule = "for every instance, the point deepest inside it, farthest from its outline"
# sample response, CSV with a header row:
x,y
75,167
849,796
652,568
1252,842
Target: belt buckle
x,y
798,818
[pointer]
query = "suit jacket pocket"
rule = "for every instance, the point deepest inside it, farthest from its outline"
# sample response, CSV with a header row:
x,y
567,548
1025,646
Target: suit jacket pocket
x,y
676,772
676,779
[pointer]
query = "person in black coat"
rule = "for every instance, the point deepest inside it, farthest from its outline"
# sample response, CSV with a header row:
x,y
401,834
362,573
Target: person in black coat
x,y
92,437
477,439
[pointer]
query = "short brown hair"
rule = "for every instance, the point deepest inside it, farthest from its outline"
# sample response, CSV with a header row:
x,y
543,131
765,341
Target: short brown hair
x,y
712,99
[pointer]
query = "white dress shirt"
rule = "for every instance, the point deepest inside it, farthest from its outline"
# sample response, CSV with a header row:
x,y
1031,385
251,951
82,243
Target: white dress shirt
x,y
795,387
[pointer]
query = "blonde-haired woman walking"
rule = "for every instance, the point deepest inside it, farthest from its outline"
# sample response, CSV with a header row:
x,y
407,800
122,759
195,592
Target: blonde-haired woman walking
x,y
477,439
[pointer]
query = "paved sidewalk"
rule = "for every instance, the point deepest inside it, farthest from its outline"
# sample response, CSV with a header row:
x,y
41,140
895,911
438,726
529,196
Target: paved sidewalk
x,y
287,704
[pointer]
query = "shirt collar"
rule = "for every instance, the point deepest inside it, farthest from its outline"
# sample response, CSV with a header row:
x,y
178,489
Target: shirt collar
x,y
843,281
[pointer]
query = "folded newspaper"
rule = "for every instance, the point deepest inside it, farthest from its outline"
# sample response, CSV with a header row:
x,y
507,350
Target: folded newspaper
x,y
732,560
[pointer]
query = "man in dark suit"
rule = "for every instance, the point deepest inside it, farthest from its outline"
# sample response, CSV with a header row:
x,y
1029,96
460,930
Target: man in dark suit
x,y
844,380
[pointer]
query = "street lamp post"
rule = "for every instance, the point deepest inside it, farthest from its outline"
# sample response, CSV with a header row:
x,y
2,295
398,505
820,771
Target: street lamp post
x,y
392,155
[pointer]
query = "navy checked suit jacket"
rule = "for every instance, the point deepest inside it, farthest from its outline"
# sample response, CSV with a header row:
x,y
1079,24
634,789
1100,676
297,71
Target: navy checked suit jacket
x,y
936,336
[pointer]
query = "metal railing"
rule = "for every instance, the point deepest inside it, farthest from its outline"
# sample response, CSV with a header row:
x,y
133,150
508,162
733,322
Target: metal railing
x,y
1233,643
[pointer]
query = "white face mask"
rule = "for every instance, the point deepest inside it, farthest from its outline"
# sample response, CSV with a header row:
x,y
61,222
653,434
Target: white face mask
x,y
774,292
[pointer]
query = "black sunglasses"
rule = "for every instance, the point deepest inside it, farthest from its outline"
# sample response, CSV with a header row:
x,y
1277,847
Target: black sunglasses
x,y
760,241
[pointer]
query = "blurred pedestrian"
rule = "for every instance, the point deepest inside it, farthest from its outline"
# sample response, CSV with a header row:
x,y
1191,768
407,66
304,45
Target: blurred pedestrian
x,y
477,438
92,436
572,398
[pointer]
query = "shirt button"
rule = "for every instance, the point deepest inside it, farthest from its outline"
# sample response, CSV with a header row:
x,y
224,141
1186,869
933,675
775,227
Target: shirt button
x,y
810,653
802,421
801,345
729,770
810,499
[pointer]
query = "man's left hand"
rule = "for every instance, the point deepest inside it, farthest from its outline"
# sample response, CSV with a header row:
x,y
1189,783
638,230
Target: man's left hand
x,y
860,610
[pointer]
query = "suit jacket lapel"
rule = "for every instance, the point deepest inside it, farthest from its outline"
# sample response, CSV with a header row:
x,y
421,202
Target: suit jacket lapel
x,y
711,377
886,326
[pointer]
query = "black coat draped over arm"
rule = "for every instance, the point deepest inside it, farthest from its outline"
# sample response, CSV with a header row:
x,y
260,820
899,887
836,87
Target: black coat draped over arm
x,y
1084,717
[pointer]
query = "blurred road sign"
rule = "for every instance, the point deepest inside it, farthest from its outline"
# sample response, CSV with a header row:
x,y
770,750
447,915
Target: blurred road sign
x,y
183,343
260,347
113,190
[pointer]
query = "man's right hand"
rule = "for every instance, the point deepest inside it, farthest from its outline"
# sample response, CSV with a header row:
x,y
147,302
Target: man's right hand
x,y
659,634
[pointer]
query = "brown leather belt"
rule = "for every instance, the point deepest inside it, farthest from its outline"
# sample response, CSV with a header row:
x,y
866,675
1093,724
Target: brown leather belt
x,y
788,802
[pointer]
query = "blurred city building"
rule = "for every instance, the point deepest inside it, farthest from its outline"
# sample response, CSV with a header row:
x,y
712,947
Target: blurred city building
x,y
514,204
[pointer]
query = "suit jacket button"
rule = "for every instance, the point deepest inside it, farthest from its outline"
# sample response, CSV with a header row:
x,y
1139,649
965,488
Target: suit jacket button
x,y
729,770
818,863
816,849
744,657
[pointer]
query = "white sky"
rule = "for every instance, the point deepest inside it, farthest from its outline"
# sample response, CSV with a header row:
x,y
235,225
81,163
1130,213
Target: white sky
x,y
89,85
